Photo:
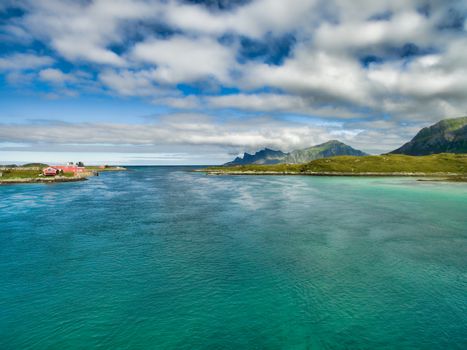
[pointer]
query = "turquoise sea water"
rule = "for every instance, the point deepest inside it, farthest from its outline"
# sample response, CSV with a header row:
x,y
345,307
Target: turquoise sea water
x,y
162,258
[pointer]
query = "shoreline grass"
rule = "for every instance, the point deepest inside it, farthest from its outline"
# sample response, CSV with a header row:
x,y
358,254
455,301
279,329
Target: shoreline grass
x,y
443,164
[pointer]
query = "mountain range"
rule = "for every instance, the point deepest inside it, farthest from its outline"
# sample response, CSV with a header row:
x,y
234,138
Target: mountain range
x,y
324,150
446,136
265,156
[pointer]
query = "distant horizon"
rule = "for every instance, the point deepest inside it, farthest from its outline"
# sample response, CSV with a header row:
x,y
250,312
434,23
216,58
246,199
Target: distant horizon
x,y
106,162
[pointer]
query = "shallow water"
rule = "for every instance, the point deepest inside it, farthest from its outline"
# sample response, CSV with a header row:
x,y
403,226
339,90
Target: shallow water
x,y
163,258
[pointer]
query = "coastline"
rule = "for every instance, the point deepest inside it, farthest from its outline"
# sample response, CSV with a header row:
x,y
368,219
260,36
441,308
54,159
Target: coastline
x,y
325,173
42,180
439,177
438,166
91,171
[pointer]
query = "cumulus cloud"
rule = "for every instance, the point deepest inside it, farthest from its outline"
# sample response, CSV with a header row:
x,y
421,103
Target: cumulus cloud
x,y
254,19
279,103
130,83
82,30
316,75
181,59
404,27
24,61
55,76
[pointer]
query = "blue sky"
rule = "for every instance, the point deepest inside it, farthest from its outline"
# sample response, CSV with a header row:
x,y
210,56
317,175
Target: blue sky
x,y
199,82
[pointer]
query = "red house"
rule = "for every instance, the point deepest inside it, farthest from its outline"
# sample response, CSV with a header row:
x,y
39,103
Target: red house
x,y
49,171
70,168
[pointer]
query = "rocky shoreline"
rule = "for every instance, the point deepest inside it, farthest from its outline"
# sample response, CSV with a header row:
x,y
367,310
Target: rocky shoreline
x,y
326,173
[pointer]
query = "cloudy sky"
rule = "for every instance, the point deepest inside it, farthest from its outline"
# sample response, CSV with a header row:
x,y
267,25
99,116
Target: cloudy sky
x,y
198,82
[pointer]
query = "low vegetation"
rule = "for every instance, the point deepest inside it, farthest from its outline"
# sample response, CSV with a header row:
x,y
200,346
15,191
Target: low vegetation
x,y
32,173
24,173
384,164
19,173
35,165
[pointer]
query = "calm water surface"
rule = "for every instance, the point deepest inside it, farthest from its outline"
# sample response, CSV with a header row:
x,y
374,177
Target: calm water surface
x,y
162,258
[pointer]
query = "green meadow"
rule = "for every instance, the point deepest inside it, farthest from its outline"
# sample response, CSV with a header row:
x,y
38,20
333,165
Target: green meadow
x,y
382,164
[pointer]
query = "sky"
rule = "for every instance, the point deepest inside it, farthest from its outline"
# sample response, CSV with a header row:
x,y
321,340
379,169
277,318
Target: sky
x,y
200,82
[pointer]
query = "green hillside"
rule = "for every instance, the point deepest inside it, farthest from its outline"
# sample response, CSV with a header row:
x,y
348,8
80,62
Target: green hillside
x,y
324,150
383,164
35,165
446,136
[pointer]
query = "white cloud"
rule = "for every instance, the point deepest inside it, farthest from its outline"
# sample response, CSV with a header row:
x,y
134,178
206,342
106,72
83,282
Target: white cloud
x,y
84,30
14,34
417,81
320,76
182,59
55,76
20,78
355,35
186,102
74,48
24,61
269,102
130,83
254,19
257,102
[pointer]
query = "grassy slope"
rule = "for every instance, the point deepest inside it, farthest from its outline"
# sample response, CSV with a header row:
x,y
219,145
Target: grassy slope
x,y
308,153
393,163
454,124
328,149
33,172
19,174
25,174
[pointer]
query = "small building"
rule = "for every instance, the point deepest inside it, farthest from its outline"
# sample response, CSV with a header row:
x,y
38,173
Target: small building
x,y
49,171
70,169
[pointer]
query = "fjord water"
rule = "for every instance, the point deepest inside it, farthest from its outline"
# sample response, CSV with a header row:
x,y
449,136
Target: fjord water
x,y
163,258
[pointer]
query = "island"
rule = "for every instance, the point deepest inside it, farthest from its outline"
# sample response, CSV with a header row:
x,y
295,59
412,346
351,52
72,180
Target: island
x,y
437,152
443,165
44,173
